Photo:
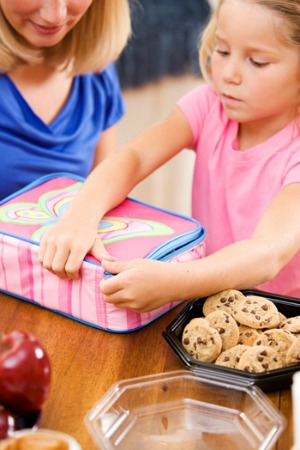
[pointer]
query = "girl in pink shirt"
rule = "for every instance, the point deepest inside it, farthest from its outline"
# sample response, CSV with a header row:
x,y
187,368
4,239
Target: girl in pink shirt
x,y
244,126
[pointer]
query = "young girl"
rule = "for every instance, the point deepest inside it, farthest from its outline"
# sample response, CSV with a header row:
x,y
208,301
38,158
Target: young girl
x,y
245,129
60,96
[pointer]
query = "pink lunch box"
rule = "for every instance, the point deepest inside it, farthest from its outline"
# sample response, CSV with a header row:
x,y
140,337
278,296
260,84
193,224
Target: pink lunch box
x,y
132,230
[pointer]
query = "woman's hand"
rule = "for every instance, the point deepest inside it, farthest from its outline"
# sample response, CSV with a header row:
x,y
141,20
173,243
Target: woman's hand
x,y
64,246
141,285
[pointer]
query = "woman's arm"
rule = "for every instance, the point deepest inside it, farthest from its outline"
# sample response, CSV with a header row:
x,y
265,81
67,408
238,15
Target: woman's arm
x,y
64,245
145,285
108,142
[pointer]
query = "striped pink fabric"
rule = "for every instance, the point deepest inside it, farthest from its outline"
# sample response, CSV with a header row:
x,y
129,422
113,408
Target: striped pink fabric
x,y
23,276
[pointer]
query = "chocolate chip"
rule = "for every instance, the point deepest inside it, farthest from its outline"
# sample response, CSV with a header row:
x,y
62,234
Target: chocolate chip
x,y
186,341
221,330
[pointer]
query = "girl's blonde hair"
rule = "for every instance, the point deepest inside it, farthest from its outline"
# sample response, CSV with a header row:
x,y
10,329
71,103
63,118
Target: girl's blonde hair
x,y
289,10
95,41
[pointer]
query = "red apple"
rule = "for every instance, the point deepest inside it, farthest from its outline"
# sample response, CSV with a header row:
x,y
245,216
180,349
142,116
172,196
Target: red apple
x,y
8,423
25,372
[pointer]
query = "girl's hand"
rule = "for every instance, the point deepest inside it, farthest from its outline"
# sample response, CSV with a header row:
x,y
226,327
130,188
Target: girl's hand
x,y
141,285
64,246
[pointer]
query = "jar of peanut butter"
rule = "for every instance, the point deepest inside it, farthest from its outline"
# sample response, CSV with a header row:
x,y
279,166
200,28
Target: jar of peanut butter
x,y
40,440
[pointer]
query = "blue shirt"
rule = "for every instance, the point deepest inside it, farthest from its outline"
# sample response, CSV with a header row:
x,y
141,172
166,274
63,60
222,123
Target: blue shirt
x,y
29,148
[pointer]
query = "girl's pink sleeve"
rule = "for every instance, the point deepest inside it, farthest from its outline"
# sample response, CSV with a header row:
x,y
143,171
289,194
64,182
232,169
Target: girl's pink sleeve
x,y
196,105
292,170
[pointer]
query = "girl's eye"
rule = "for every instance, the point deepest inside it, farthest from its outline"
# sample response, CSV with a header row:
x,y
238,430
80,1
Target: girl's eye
x,y
222,52
258,63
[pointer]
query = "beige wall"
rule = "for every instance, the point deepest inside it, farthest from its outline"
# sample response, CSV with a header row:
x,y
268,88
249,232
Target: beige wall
x,y
213,3
170,186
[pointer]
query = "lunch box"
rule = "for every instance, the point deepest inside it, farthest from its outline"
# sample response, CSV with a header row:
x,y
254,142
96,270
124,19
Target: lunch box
x,y
132,230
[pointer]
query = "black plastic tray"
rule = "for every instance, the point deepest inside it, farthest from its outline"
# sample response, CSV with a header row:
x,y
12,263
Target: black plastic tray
x,y
268,381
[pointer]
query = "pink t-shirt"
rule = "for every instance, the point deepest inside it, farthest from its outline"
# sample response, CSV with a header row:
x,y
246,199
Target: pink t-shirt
x,y
232,188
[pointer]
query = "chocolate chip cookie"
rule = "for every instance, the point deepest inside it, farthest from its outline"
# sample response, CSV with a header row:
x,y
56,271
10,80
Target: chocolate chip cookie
x,y
291,324
232,356
259,358
226,327
201,340
247,335
256,312
293,354
224,300
279,340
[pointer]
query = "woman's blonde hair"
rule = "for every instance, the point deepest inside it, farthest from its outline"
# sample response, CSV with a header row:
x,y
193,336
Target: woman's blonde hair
x,y
95,41
289,10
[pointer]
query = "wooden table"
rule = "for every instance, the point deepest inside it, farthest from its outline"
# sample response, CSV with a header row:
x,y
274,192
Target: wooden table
x,y
86,361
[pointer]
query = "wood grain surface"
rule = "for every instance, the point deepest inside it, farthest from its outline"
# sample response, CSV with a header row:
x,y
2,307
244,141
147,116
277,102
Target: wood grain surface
x,y
87,361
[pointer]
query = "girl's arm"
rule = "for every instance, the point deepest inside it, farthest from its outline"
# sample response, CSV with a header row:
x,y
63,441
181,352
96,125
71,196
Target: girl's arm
x,y
144,285
251,262
65,244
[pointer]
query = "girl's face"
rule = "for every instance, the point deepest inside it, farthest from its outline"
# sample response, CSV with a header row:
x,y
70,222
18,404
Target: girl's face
x,y
43,23
255,73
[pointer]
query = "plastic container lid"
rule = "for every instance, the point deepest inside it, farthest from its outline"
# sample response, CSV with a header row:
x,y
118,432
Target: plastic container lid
x,y
180,410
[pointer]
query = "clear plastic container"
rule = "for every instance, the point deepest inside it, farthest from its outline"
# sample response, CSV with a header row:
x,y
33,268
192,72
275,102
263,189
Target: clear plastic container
x,y
182,411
